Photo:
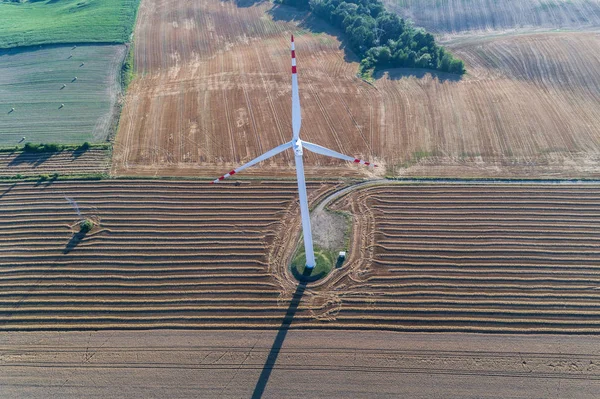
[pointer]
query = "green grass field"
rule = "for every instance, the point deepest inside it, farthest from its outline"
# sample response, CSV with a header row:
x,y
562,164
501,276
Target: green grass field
x,y
28,23
32,82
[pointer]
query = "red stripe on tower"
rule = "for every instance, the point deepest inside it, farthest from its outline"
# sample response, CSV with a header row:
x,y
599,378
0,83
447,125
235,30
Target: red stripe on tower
x,y
356,160
294,69
232,173
293,53
292,37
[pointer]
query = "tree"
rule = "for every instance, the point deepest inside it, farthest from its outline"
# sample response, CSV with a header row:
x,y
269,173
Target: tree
x,y
457,66
362,39
383,39
391,25
444,64
424,61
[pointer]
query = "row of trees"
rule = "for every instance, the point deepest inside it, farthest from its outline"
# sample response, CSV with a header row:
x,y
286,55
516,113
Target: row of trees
x,y
381,38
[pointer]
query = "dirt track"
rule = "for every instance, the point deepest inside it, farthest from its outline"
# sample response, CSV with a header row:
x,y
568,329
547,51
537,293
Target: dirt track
x,y
334,364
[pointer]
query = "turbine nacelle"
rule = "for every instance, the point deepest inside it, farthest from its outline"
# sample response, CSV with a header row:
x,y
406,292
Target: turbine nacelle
x,y
297,146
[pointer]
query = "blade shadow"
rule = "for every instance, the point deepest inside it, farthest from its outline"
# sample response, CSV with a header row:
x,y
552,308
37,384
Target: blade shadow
x,y
277,344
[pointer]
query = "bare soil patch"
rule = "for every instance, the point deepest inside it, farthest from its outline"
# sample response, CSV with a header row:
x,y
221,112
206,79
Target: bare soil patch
x,y
356,364
330,229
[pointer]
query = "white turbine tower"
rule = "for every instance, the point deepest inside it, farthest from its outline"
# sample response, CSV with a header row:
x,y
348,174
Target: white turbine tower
x,y
298,145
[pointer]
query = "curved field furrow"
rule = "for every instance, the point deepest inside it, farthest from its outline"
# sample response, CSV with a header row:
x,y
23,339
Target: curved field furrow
x,y
471,258
154,247
530,261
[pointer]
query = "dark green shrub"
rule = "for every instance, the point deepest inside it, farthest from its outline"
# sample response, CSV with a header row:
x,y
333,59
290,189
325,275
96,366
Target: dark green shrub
x,y
85,226
51,147
380,38
30,147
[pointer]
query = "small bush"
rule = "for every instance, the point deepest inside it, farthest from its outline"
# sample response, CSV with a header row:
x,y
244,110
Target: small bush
x,y
85,226
30,147
85,146
50,147
44,177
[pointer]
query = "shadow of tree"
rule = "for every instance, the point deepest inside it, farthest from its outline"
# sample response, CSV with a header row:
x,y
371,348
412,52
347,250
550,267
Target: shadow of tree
x,y
79,152
32,158
45,182
74,241
278,343
8,190
399,73
247,3
316,25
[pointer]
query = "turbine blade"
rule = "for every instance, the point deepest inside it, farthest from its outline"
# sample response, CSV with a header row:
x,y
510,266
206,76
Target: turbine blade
x,y
330,153
296,113
264,156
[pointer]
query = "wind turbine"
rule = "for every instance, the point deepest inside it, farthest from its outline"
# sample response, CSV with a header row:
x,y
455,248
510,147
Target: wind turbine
x,y
298,146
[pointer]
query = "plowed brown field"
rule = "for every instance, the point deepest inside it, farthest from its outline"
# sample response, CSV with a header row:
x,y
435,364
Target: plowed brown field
x,y
187,254
214,91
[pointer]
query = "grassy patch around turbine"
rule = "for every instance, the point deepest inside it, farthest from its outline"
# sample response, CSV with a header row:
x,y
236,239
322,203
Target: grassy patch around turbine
x,y
325,262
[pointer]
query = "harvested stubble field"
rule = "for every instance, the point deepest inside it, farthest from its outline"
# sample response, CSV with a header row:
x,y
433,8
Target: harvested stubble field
x,y
31,82
483,16
214,91
486,258
162,254
68,162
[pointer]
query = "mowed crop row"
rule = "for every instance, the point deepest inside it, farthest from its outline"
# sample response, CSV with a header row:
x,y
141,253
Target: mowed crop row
x,y
161,253
495,258
59,94
480,258
63,163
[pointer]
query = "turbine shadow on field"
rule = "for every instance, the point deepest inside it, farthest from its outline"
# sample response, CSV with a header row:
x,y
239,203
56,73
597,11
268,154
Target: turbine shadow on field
x,y
278,343
309,22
